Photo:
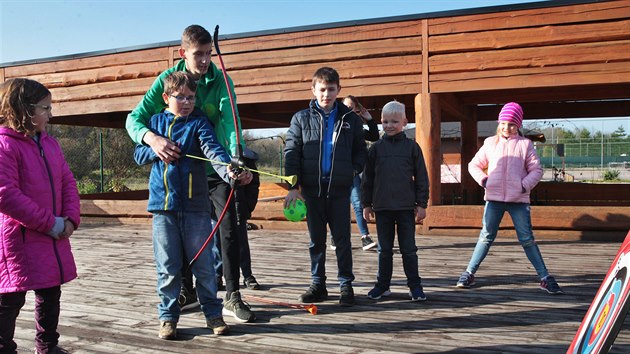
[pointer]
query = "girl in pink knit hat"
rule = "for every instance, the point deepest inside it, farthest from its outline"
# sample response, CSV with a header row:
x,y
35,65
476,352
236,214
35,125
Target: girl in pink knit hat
x,y
508,168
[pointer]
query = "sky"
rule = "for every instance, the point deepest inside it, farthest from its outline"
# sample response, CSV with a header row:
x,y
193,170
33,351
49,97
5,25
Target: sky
x,y
36,29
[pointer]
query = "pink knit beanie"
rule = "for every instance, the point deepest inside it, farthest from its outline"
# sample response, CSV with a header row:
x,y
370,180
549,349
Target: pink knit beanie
x,y
512,112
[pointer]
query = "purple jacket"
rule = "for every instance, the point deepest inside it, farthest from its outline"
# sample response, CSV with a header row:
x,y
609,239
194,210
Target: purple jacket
x,y
508,169
35,186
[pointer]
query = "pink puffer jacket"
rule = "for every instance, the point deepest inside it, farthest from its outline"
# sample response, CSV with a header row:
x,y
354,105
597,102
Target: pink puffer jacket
x,y
513,169
35,186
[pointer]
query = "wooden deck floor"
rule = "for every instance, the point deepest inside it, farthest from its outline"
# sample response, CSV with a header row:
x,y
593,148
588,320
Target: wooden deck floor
x,y
111,307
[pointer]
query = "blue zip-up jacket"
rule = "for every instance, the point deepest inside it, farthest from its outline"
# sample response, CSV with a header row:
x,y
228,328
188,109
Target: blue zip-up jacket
x,y
304,149
183,185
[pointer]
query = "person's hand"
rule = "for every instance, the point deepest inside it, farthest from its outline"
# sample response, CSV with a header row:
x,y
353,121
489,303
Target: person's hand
x,y
421,213
68,229
165,149
363,113
292,196
368,214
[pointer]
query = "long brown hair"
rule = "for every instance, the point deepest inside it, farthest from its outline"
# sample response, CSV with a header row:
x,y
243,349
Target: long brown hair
x,y
17,97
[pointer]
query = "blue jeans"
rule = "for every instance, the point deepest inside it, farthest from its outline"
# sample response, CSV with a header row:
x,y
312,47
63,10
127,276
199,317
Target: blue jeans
x,y
177,237
521,218
334,212
387,222
355,199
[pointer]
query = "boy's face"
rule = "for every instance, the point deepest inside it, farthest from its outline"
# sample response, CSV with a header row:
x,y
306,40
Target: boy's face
x,y
393,123
197,58
326,94
181,102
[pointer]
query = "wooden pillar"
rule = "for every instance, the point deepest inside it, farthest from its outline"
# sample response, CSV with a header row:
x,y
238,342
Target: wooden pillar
x,y
468,145
428,136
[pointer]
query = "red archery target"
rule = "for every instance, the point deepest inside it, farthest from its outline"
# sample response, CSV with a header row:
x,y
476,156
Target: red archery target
x,y
608,310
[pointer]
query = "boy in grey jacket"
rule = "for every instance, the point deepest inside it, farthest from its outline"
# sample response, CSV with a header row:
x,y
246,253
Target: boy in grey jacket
x,y
395,187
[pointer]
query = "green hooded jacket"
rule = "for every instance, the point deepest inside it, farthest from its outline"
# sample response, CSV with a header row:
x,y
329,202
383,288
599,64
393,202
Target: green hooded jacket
x,y
212,99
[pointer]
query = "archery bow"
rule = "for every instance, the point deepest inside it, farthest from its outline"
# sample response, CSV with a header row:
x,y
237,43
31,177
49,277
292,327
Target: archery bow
x,y
237,161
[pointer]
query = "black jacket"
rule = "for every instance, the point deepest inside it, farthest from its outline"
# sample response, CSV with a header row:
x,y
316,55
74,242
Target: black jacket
x,y
395,176
303,151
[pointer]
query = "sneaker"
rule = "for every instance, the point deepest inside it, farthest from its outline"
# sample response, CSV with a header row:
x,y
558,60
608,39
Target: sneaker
x,y
417,294
218,326
466,280
251,283
220,286
168,330
187,299
315,293
550,285
346,298
332,244
367,242
378,292
236,308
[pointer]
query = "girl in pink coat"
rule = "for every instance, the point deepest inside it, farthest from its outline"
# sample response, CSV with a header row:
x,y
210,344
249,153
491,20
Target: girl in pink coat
x,y
508,168
39,211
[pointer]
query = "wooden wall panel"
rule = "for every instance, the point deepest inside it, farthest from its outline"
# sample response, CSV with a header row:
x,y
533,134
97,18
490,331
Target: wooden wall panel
x,y
321,37
544,56
95,106
125,58
389,86
530,37
390,66
345,51
555,76
593,12
100,75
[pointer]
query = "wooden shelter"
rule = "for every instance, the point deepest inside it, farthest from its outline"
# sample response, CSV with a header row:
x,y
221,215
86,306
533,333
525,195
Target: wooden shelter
x,y
559,59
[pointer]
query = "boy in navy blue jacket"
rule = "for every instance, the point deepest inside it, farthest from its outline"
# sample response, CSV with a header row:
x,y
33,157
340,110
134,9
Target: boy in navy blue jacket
x,y
325,148
178,200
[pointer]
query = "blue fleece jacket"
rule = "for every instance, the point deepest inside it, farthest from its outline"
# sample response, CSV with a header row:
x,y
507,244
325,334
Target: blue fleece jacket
x,y
182,186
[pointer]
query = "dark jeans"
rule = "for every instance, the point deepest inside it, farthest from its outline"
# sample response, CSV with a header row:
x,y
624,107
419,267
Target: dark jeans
x,y
335,213
229,238
386,224
46,318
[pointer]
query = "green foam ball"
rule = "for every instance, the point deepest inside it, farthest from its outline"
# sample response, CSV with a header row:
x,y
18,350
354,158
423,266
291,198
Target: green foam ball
x,y
296,211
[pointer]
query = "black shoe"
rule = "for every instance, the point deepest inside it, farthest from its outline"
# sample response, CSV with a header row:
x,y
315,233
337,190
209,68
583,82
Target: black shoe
x,y
187,299
251,283
367,243
220,286
315,293
346,298
235,307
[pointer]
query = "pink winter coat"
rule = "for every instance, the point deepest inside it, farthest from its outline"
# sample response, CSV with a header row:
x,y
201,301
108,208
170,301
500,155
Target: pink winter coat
x,y
513,169
35,186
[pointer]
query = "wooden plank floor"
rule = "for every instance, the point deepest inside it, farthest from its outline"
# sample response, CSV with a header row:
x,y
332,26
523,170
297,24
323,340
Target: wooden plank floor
x,y
111,307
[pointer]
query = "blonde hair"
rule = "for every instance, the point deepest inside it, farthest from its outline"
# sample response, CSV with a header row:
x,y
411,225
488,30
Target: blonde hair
x,y
394,108
17,99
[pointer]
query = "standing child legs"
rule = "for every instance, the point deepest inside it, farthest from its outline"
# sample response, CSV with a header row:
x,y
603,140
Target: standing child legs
x,y
492,215
355,199
47,308
386,228
10,306
387,222
196,229
169,254
521,218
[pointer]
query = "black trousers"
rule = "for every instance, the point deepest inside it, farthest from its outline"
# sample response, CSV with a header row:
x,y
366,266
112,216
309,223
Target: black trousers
x,y
229,234
47,309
